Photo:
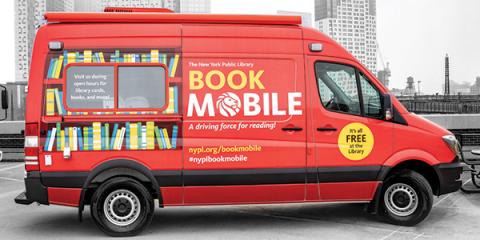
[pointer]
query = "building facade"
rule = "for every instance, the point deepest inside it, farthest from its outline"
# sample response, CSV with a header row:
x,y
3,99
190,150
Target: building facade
x,y
87,6
475,89
306,17
29,17
352,23
384,76
195,6
131,3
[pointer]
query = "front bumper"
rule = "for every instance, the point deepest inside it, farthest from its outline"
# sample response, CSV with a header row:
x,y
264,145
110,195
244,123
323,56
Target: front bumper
x,y
34,190
449,177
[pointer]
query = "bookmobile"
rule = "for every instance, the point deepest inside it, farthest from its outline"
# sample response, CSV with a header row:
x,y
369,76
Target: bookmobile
x,y
126,107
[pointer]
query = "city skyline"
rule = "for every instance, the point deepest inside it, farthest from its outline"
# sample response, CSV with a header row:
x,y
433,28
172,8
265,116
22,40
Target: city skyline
x,y
306,17
427,35
352,23
29,17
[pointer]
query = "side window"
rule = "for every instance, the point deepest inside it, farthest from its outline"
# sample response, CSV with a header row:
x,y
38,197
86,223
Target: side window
x,y
141,87
337,86
93,87
90,87
371,98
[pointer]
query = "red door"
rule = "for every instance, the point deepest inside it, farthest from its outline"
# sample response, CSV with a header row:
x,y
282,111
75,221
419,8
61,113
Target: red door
x,y
351,139
244,114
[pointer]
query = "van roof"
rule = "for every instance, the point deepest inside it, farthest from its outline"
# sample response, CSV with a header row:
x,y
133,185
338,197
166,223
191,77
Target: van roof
x,y
148,17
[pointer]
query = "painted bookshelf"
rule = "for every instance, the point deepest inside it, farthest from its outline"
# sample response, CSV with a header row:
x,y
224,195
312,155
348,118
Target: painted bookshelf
x,y
124,129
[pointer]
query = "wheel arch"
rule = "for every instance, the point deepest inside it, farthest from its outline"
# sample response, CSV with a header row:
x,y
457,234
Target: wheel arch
x,y
419,166
116,168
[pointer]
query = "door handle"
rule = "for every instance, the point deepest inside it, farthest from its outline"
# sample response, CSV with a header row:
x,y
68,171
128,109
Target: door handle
x,y
292,129
326,129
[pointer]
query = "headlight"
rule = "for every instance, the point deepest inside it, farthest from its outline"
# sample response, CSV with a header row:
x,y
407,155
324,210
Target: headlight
x,y
453,144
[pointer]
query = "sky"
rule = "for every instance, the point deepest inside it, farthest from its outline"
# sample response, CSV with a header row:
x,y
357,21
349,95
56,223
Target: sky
x,y
413,36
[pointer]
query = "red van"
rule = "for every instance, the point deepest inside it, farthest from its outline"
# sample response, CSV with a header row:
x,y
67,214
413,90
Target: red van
x,y
127,108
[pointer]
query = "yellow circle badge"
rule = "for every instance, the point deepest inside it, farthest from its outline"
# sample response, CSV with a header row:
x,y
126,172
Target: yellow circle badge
x,y
355,141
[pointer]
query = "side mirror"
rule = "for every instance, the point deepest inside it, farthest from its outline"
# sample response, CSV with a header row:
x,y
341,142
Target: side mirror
x,y
4,99
3,102
387,107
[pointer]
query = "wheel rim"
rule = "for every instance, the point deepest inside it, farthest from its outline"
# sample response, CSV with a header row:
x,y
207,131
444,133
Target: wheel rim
x,y
122,207
401,199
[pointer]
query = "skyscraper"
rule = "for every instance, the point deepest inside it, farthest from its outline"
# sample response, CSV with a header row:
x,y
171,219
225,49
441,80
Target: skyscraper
x,y
352,23
188,6
173,5
306,17
29,17
384,75
131,3
194,6
60,5
87,6
447,76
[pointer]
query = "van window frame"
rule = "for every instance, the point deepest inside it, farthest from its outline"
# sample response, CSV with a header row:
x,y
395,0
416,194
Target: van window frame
x,y
115,66
358,72
359,90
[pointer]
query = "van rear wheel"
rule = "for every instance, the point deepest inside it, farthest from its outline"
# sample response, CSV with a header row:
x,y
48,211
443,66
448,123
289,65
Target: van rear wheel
x,y
122,207
407,198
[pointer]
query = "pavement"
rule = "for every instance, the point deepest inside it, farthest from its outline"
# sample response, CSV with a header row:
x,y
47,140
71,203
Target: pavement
x,y
454,216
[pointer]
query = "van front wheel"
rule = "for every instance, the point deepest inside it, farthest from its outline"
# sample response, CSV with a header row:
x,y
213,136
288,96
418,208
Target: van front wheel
x,y
122,207
406,198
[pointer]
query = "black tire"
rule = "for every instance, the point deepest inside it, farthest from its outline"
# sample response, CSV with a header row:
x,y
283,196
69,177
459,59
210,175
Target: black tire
x,y
406,198
128,211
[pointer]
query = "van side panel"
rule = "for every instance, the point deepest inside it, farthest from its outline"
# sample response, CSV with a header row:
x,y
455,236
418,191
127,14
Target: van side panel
x,y
348,191
64,196
62,175
243,87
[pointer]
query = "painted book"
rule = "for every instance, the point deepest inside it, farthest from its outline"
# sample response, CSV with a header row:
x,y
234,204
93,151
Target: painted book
x,y
162,137
127,136
107,136
47,140
52,139
50,68
102,139
59,140
150,135
101,57
62,140
54,68
58,67
80,138
175,65
139,135
58,101
133,136
67,137
87,56
97,136
174,136
74,139
159,138
86,145
90,138
144,137
167,139
114,135
154,56
50,102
